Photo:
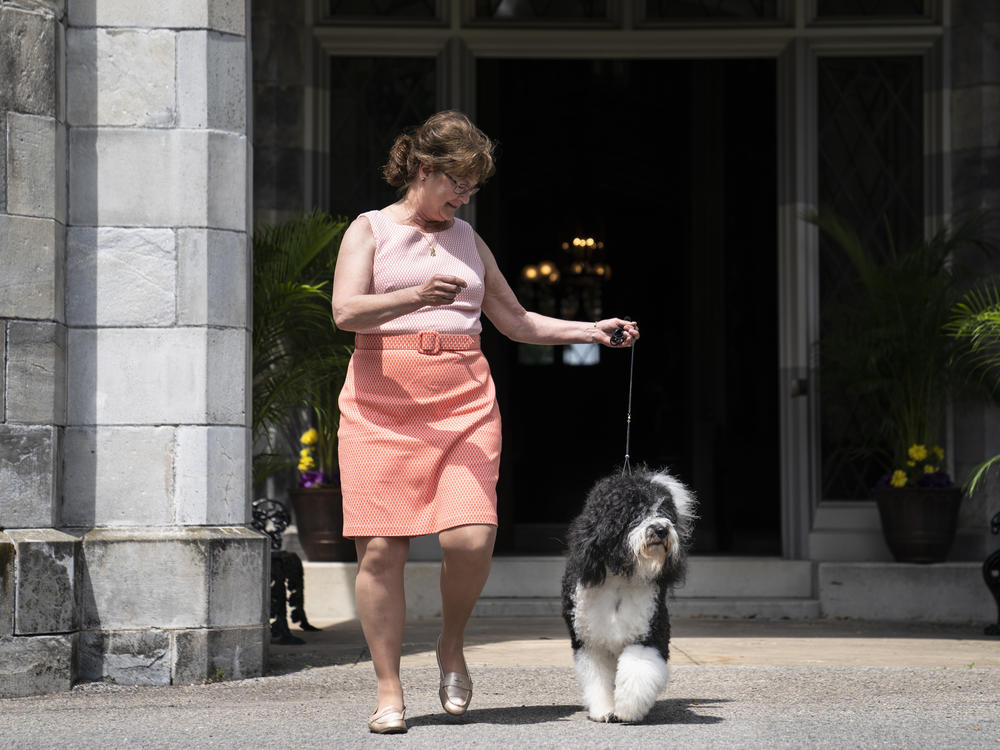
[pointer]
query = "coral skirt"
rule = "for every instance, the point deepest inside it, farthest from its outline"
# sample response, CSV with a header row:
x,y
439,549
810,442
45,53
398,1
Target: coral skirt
x,y
419,438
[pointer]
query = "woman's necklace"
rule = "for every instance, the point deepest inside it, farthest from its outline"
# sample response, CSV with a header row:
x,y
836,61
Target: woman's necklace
x,y
430,243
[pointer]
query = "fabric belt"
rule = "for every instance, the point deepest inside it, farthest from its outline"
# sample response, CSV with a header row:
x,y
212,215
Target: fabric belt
x,y
425,342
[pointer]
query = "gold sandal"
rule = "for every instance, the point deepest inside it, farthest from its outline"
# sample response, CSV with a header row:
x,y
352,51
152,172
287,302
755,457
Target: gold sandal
x,y
456,688
390,720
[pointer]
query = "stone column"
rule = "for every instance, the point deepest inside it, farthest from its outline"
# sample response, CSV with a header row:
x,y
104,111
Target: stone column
x,y
38,563
148,417
975,160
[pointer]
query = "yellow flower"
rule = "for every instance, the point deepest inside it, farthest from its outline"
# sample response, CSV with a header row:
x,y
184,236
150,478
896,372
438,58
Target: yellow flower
x,y
911,464
928,469
305,452
898,478
309,437
306,463
918,452
938,451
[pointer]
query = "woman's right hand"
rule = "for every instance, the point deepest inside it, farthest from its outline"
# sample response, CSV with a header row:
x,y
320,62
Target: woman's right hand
x,y
440,289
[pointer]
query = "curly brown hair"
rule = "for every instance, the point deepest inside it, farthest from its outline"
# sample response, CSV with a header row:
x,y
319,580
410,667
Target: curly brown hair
x,y
446,142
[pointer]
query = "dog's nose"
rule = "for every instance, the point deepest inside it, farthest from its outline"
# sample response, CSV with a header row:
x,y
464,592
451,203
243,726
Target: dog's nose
x,y
659,531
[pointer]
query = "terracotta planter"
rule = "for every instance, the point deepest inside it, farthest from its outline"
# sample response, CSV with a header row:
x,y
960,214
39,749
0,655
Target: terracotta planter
x,y
918,522
319,517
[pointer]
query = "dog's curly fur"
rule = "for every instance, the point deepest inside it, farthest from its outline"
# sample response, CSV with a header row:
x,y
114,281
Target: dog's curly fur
x,y
627,548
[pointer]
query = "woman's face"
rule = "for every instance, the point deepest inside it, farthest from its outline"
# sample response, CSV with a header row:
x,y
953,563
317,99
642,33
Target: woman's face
x,y
441,194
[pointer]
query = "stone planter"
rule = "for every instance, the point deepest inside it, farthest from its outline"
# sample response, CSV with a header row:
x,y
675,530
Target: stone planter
x,y
319,518
918,522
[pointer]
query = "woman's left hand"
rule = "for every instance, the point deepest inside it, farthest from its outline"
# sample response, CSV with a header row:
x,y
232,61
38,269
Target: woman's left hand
x,y
603,330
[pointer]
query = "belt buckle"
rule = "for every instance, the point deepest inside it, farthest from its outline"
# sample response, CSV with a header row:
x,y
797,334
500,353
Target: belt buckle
x,y
429,342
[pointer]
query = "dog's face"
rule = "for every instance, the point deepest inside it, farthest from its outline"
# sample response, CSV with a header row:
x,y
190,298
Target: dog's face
x,y
635,525
656,536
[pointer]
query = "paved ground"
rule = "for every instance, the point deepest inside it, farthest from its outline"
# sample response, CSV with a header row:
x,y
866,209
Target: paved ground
x,y
736,684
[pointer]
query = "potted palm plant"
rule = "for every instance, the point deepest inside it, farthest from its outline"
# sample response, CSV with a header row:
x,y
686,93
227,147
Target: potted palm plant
x,y
884,349
975,325
299,363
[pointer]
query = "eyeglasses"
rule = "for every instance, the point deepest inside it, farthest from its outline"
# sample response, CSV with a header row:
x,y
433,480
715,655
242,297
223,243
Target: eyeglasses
x,y
460,187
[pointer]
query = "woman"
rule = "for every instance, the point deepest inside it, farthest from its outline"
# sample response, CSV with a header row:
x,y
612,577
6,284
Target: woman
x,y
419,436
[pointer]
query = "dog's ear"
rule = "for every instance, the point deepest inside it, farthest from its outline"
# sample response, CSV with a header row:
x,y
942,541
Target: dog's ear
x,y
592,571
684,502
585,546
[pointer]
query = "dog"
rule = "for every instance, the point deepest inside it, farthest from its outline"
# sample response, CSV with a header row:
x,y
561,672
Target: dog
x,y
627,548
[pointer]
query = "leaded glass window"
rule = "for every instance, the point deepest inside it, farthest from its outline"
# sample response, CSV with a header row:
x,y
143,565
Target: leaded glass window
x,y
372,100
869,8
871,176
711,10
540,10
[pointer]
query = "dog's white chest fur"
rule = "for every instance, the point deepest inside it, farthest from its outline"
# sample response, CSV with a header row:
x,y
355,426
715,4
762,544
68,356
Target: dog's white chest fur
x,y
614,614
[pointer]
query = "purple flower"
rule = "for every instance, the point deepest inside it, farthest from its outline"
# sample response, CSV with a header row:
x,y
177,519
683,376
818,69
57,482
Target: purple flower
x,y
313,479
318,479
937,479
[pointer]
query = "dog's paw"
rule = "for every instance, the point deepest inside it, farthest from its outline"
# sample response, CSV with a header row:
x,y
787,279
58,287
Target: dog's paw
x,y
608,718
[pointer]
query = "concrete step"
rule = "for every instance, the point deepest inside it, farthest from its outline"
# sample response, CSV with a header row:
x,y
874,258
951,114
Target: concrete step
x,y
715,587
770,609
707,577
766,609
518,606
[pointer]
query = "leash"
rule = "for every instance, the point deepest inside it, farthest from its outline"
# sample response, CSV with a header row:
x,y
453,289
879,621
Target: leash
x,y
616,338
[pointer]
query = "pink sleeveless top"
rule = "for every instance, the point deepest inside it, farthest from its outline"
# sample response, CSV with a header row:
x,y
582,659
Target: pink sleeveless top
x,y
403,258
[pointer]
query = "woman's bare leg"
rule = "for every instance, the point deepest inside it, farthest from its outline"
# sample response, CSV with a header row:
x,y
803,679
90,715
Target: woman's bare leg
x,y
465,566
381,605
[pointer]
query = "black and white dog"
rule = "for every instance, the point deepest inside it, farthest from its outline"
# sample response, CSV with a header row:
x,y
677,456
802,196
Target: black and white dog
x,y
627,547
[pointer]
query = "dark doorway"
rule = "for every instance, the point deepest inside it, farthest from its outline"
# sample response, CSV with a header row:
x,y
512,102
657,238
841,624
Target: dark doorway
x,y
671,164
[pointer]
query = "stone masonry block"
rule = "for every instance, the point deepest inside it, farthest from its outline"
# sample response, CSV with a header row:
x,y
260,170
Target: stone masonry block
x,y
184,375
229,181
120,277
31,256
36,372
228,400
975,117
153,578
212,81
30,665
28,62
975,54
121,77
128,657
218,654
30,476
212,475
239,591
45,580
135,177
162,578
118,476
36,166
212,278
221,15
6,586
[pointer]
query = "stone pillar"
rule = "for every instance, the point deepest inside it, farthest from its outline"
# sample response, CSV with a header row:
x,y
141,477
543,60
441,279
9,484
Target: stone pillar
x,y
975,159
127,361
38,564
283,59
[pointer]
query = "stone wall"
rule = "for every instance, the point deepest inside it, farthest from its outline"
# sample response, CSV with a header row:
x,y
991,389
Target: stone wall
x,y
124,311
975,185
283,59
